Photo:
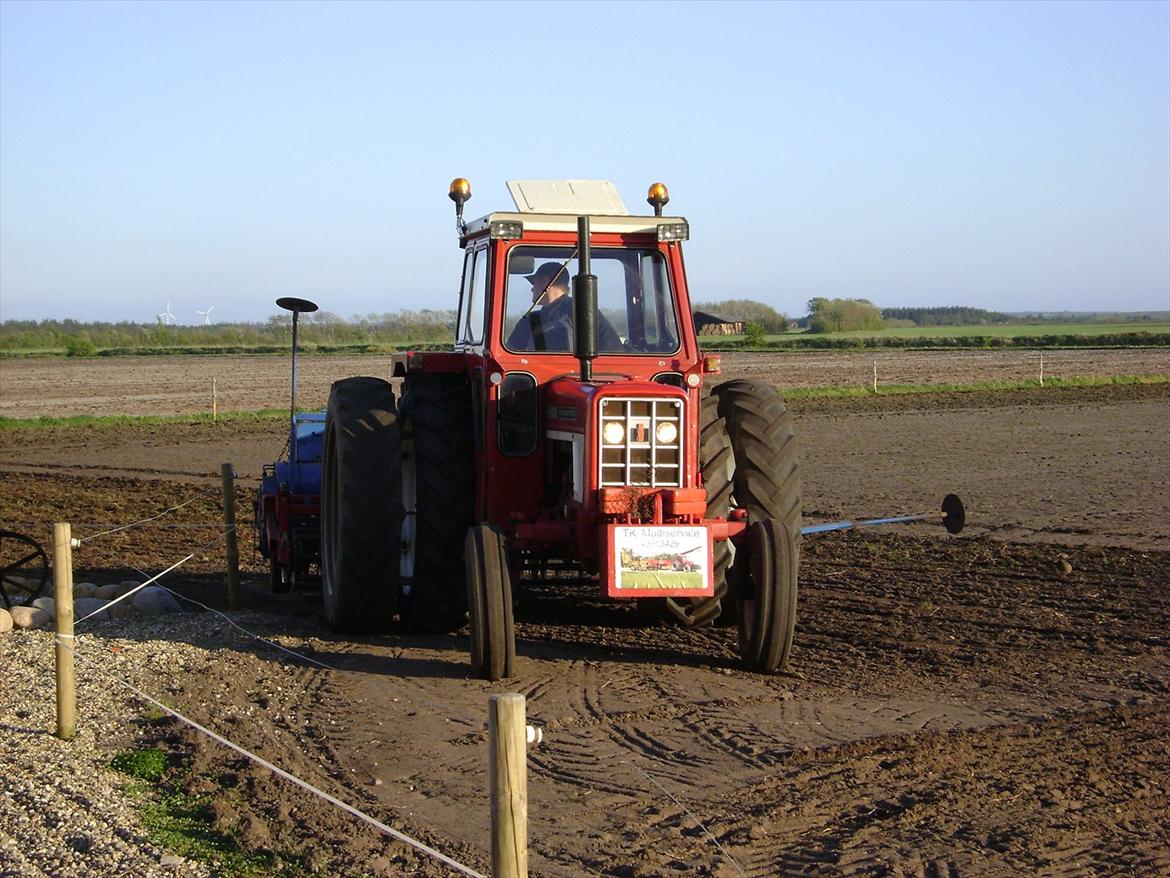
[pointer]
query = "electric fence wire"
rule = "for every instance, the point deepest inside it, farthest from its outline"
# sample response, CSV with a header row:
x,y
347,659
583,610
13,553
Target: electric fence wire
x,y
689,813
450,711
442,708
105,608
280,772
145,521
181,526
439,707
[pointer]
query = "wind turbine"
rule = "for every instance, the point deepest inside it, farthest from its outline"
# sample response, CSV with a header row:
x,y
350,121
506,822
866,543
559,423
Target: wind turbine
x,y
206,315
166,318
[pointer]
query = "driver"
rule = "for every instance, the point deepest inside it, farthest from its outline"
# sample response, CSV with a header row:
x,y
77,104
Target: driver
x,y
549,327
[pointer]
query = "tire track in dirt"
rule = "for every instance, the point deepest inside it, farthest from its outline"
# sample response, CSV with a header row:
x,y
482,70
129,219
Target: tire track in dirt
x,y
1010,776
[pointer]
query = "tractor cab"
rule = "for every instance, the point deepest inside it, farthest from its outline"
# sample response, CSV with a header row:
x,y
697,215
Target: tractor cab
x,y
575,402
516,291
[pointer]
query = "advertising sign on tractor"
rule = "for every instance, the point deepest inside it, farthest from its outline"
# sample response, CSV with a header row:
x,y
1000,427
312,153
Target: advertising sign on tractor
x,y
655,561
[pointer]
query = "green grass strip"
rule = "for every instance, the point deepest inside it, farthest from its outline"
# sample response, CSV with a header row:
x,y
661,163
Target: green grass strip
x,y
858,390
139,420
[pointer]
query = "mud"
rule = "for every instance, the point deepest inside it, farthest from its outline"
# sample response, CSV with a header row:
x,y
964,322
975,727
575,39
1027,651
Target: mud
x,y
989,704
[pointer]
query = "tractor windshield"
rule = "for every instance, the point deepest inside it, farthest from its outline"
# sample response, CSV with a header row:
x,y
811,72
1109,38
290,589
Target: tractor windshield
x,y
635,304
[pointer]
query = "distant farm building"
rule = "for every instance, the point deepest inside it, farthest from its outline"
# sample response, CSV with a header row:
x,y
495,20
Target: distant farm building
x,y
709,324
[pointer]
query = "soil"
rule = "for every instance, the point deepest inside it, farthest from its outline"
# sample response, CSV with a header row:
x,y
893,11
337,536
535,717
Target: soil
x,y
989,704
33,387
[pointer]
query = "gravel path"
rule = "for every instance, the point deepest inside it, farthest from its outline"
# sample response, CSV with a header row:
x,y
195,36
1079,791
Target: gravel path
x,y
62,808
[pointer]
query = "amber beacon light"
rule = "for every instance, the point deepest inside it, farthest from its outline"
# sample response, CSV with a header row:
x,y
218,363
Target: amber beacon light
x,y
656,196
460,193
460,190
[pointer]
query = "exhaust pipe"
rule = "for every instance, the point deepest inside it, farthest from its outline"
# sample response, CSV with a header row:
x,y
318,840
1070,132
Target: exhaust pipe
x,y
585,303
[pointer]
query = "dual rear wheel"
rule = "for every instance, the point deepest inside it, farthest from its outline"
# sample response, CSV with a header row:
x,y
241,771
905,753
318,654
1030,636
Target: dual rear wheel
x,y
397,498
359,484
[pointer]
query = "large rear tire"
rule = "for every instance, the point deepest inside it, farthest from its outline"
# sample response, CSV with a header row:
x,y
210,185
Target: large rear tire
x,y
359,484
763,438
489,604
767,468
438,499
766,596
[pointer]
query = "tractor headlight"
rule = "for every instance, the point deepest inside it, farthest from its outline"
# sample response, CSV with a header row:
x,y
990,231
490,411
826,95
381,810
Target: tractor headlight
x,y
666,433
614,433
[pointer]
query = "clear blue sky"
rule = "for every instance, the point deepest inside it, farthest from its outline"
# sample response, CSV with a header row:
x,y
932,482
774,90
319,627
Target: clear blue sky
x,y
1001,155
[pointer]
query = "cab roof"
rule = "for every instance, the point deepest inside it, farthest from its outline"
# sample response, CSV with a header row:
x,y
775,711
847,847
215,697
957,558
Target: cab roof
x,y
554,205
560,222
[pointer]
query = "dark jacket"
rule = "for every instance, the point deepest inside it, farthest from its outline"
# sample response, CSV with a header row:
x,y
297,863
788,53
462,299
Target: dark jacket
x,y
551,329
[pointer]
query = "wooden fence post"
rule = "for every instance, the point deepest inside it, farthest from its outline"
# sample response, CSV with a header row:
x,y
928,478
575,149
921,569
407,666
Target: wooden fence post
x,y
229,529
1041,368
214,402
507,739
875,376
63,610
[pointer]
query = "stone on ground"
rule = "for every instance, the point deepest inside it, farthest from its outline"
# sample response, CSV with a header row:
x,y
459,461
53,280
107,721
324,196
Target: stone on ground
x,y
5,621
106,592
84,590
82,607
47,604
155,601
30,617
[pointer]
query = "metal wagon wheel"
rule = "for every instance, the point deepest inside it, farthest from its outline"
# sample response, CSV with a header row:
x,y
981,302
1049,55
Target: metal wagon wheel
x,y
24,569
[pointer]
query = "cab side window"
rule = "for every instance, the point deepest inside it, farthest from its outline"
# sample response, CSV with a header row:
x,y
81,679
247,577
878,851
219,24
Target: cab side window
x,y
472,297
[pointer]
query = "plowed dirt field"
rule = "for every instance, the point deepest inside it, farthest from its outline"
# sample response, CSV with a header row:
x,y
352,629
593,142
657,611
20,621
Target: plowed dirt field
x,y
179,385
990,704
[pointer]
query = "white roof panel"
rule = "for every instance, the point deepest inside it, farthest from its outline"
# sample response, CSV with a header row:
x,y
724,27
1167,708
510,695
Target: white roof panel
x,y
576,197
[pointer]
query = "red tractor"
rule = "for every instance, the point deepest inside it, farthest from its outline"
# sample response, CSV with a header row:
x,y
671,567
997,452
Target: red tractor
x,y
572,422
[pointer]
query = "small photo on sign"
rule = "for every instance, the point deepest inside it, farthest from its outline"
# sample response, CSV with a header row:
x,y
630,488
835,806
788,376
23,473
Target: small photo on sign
x,y
653,558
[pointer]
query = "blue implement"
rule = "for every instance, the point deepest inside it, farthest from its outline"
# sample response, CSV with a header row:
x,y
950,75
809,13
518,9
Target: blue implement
x,y
952,516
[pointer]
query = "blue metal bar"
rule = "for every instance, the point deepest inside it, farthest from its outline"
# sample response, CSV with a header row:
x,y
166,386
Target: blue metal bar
x,y
869,522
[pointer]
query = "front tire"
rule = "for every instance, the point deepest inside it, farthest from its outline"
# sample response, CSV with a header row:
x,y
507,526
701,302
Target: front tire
x,y
359,482
766,596
489,604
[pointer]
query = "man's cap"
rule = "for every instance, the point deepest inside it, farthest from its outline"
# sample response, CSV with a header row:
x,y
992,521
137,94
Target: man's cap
x,y
548,272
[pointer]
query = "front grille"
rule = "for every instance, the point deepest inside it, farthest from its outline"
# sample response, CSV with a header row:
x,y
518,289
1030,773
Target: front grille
x,y
641,458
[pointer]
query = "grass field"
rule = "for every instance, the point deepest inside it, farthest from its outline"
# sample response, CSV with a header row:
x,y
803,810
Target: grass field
x,y
1005,330
969,387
